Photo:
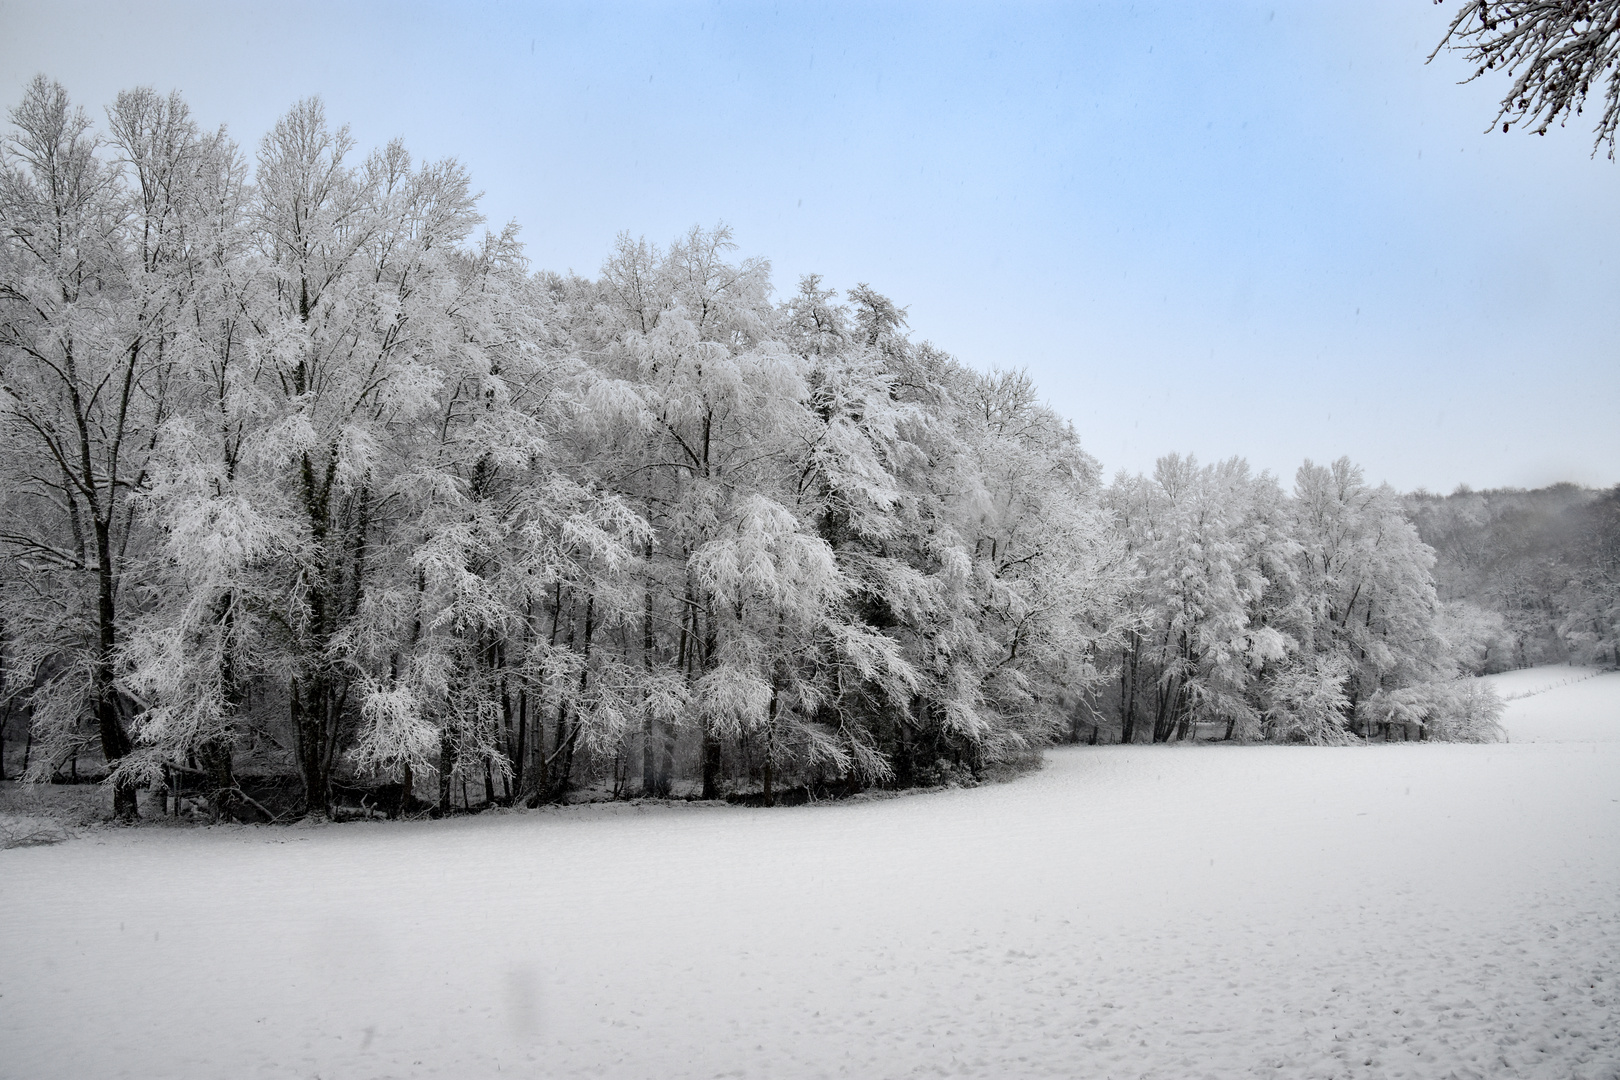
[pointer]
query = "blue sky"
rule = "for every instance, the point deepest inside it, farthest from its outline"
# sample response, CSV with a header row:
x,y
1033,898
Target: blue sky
x,y
1221,229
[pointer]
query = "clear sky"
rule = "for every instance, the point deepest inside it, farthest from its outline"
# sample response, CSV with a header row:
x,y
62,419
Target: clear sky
x,y
1221,229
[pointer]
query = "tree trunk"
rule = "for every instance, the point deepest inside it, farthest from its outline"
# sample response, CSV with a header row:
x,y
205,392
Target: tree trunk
x,y
338,536
565,745
520,762
114,740
28,740
649,726
713,758
447,765
512,741
685,661
1128,672
541,769
770,749
1184,726
1161,711
309,705
711,741
214,757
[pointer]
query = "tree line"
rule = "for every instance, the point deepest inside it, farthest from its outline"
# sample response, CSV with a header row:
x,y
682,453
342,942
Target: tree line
x,y
305,476
1533,575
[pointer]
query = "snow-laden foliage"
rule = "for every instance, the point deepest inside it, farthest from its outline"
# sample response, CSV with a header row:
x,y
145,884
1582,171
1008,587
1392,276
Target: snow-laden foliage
x,y
1251,614
1555,52
1462,710
305,477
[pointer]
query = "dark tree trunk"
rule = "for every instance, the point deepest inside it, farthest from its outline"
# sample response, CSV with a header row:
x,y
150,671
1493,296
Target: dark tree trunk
x,y
28,740
649,726
905,765
685,662
684,650
447,765
114,740
310,705
713,758
1128,674
1164,720
521,760
1160,705
540,771
566,742
512,740
214,758
770,749
711,741
310,697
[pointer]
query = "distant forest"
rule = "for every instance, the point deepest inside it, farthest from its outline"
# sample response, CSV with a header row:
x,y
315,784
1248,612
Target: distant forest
x,y
313,495
1536,572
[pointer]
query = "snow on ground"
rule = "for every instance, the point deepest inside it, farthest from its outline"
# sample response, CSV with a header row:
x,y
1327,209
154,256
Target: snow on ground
x,y
1526,682
1560,704
1401,910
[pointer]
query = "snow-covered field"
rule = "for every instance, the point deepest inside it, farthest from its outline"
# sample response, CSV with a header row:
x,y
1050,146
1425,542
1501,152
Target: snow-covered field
x,y
1402,910
1528,682
1559,703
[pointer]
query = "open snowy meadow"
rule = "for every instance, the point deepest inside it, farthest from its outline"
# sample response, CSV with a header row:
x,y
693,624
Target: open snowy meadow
x,y
1402,910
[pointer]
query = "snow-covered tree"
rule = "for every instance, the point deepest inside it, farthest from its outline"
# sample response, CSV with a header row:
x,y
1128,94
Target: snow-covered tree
x,y
97,266
1211,605
303,478
1555,51
1365,583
